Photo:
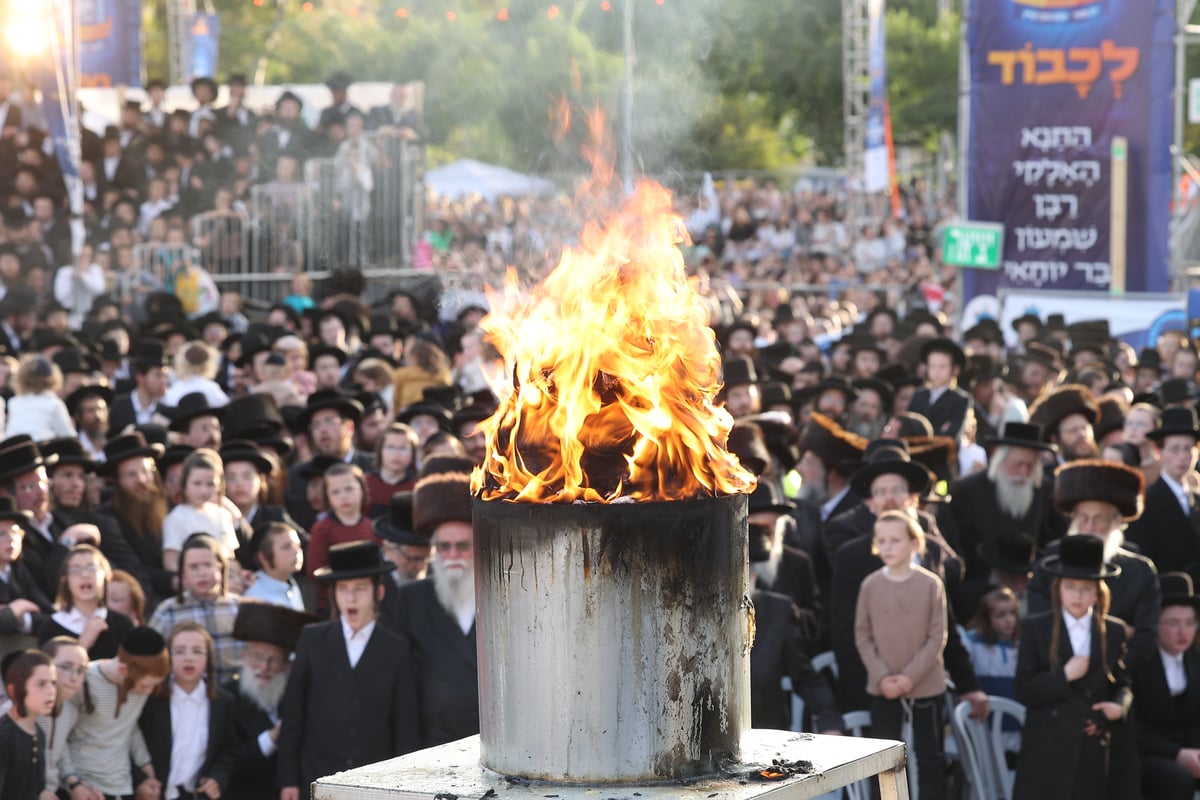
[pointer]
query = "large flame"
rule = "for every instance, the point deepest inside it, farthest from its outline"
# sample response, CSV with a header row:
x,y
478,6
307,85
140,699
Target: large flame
x,y
614,374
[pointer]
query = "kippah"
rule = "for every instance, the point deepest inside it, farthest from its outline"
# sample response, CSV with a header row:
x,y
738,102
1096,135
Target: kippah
x,y
143,641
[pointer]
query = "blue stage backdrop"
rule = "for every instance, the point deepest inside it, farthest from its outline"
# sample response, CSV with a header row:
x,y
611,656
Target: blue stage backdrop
x,y
1051,84
110,51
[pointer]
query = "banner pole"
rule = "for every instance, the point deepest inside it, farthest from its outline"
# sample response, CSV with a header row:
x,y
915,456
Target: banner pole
x,y
1119,214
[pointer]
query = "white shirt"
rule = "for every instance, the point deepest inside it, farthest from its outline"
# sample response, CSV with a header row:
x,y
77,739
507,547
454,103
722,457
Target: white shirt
x,y
189,738
74,620
1180,493
1176,675
829,505
356,642
1080,631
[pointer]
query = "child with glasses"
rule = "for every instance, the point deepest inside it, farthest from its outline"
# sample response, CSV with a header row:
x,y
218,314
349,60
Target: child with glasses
x,y
70,665
81,607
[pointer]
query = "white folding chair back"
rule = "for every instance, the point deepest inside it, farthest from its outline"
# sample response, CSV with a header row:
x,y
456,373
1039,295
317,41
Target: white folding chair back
x,y
982,748
855,722
825,661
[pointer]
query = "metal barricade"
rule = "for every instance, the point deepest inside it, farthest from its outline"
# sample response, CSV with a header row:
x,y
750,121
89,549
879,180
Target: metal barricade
x,y
283,238
221,239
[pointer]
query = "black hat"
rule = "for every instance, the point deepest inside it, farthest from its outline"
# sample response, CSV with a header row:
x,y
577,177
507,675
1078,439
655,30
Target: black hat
x,y
191,406
254,341
887,395
204,81
1021,434
768,497
396,525
776,393
1014,552
889,457
1043,354
317,466
739,325
72,359
1071,398
1176,422
288,95
143,641
335,399
241,450
9,511
1056,323
125,447
353,560
865,342
172,455
1112,416
1177,590
339,81
1080,556
1102,481
941,344
76,397
1176,390
267,436
251,411
148,353
837,383
18,455
898,376
1028,318
66,451
738,371
1149,358
435,410
319,350
271,624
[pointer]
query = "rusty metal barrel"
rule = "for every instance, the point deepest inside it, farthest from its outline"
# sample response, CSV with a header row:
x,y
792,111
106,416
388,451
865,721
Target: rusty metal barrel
x,y
614,639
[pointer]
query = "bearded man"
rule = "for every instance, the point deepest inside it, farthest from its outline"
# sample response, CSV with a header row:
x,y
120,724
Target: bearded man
x,y
268,634
1011,497
437,614
139,505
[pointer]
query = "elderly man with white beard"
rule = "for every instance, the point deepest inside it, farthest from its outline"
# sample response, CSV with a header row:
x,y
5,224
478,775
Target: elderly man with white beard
x,y
1011,497
268,634
1101,497
437,614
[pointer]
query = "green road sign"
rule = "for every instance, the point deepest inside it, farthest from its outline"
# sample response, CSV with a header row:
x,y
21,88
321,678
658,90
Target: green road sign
x,y
974,244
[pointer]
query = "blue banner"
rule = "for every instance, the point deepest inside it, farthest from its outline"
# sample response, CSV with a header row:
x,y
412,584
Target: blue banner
x,y
876,172
205,33
110,42
1051,85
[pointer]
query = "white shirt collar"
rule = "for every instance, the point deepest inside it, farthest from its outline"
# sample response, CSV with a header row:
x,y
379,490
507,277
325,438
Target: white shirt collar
x,y
361,635
1084,623
197,695
829,505
76,617
1174,486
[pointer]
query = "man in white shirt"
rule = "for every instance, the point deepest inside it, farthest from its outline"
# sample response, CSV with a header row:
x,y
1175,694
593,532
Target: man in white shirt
x,y
1168,532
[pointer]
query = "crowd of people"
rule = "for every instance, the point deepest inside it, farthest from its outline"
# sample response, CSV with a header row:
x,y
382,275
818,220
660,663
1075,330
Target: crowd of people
x,y
236,545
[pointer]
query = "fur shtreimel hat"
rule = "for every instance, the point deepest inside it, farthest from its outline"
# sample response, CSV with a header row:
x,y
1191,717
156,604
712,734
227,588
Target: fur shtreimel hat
x,y
838,448
1070,399
445,497
1102,481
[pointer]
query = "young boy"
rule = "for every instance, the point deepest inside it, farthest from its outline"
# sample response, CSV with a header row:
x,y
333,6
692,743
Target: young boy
x,y
280,556
942,402
351,696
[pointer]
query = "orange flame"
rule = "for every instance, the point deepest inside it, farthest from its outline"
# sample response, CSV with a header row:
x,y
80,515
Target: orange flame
x,y
614,374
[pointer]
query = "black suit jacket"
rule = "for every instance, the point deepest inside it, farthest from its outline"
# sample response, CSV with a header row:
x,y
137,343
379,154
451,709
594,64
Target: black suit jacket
x,y
155,723
337,717
978,520
1165,724
138,554
947,414
778,651
446,663
253,774
21,586
1164,534
121,414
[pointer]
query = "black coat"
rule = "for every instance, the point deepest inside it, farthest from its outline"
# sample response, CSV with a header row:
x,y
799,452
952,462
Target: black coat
x,y
1057,760
1164,534
978,520
106,643
778,651
21,586
253,774
138,554
853,562
43,558
336,717
1136,598
1165,724
947,414
446,662
121,414
155,723
796,578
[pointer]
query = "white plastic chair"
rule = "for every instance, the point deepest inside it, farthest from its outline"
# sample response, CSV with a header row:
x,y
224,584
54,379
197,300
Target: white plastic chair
x,y
855,722
820,662
981,744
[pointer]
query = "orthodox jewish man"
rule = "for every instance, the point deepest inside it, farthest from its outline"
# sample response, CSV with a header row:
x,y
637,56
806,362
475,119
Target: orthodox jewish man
x,y
351,697
1168,532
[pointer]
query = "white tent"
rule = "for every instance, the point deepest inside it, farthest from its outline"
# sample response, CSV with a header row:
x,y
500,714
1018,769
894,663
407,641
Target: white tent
x,y
466,177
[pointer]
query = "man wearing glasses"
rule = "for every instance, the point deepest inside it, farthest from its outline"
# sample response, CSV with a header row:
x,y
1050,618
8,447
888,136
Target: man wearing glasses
x,y
330,418
437,614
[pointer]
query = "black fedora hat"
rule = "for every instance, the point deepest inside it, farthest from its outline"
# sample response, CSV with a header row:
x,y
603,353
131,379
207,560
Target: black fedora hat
x,y
1043,354
887,394
125,447
837,383
72,359
270,624
250,411
172,455
66,451
1176,422
1176,390
837,448
334,399
889,457
768,497
942,344
353,560
268,436
317,466
1080,556
256,340
149,353
436,410
1014,553
396,525
738,371
242,450
1056,323
1149,358
1028,318
1177,590
76,397
1021,434
9,511
191,406
19,455
319,350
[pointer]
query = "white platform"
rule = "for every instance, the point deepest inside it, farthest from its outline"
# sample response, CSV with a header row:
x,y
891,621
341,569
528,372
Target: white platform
x,y
452,772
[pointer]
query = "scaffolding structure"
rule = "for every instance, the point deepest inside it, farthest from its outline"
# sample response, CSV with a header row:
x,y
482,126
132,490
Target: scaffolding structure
x,y
179,20
856,100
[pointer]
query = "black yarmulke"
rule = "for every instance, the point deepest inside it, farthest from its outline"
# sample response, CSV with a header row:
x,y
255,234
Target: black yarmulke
x,y
143,641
